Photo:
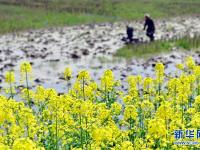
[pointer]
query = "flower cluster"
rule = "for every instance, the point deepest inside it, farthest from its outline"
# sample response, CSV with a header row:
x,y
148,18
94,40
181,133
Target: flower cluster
x,y
101,116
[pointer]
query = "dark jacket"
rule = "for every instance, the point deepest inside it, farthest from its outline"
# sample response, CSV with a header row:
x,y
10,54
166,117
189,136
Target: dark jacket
x,y
129,31
150,25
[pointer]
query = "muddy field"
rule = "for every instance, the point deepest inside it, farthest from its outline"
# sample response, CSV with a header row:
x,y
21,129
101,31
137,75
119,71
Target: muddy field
x,y
90,47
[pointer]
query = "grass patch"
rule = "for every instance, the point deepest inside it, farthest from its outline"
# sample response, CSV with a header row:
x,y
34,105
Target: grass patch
x,y
160,46
21,15
15,18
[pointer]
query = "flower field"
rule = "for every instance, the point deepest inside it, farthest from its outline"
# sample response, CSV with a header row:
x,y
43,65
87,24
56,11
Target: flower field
x,y
99,115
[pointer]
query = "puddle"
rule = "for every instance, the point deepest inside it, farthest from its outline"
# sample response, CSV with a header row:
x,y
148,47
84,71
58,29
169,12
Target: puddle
x,y
90,48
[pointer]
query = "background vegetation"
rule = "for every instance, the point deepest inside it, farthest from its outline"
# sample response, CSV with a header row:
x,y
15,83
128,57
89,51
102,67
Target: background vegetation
x,y
148,49
31,14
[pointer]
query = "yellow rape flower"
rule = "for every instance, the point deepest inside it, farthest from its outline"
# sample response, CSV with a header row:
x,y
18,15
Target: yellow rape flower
x,y
27,94
101,135
190,63
116,108
134,81
147,107
165,111
197,71
25,67
195,122
147,83
191,111
67,73
197,103
86,109
128,100
159,68
180,66
24,144
157,128
9,77
4,147
107,81
83,75
130,112
127,145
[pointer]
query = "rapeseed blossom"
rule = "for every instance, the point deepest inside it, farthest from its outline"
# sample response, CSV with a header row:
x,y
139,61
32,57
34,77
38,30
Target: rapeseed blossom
x,y
67,74
25,67
190,63
102,116
130,112
9,77
83,75
10,80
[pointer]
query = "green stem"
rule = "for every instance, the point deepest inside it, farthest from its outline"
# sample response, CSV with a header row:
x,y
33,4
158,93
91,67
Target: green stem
x,y
27,87
198,89
56,128
67,87
159,85
84,89
81,132
106,93
27,127
86,133
182,109
175,99
11,93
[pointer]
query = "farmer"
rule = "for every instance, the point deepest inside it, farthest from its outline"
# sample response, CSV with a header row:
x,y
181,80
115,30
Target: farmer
x,y
129,31
129,38
149,23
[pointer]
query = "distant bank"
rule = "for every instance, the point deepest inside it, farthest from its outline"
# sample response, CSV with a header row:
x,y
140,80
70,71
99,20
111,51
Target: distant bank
x,y
19,15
